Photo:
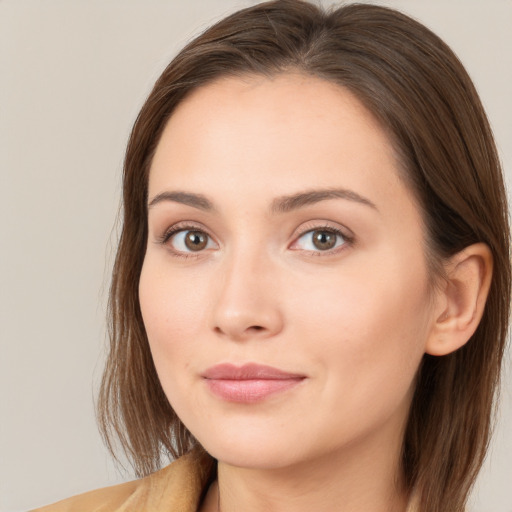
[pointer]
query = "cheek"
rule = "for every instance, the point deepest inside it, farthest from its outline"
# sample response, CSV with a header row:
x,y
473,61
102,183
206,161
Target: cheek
x,y
173,311
369,323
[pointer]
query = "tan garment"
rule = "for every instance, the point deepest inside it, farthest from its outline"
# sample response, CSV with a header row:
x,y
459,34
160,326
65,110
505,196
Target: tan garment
x,y
178,487
175,488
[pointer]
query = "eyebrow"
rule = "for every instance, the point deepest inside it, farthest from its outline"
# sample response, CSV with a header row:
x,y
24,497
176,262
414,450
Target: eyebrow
x,y
195,200
286,204
281,204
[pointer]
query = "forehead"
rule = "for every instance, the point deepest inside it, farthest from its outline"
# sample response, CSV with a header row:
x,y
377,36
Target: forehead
x,y
252,135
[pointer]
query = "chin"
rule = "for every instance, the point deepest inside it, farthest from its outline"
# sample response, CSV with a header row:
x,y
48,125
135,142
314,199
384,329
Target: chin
x,y
252,453
253,459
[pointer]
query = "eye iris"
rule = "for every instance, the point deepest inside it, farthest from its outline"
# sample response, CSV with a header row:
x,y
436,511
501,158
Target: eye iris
x,y
196,240
324,240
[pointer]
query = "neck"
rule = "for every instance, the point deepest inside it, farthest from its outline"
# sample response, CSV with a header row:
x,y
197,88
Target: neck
x,y
347,481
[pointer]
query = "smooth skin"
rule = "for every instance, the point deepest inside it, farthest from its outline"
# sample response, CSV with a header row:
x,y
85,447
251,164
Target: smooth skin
x,y
244,264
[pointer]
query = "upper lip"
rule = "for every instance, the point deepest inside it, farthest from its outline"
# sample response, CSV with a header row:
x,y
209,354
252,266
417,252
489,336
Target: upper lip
x,y
249,371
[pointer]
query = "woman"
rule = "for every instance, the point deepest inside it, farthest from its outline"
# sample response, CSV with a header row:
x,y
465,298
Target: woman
x,y
311,292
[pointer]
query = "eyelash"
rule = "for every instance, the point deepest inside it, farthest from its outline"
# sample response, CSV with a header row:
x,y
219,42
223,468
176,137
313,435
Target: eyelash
x,y
348,240
178,228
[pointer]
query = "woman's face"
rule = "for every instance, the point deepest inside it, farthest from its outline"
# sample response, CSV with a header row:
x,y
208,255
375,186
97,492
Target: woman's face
x,y
284,289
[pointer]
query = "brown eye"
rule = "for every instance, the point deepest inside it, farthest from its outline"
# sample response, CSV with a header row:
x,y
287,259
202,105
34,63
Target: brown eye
x,y
190,240
320,240
196,240
324,240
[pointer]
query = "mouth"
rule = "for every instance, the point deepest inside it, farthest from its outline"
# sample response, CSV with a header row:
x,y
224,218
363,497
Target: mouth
x,y
249,383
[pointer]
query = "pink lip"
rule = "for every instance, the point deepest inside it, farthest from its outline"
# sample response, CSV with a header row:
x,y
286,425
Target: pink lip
x,y
248,383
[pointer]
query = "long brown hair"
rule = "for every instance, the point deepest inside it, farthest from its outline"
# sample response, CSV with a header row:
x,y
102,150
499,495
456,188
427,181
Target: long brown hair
x,y
415,85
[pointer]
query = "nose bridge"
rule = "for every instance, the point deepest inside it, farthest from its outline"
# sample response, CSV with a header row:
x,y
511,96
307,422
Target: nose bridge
x,y
247,304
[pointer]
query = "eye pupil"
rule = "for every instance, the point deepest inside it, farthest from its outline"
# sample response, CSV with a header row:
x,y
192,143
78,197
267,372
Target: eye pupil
x,y
196,240
324,240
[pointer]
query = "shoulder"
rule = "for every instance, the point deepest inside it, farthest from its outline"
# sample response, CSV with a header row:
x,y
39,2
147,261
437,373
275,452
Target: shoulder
x,y
108,498
179,485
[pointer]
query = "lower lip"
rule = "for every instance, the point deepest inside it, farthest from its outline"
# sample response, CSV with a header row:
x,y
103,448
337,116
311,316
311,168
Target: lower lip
x,y
250,391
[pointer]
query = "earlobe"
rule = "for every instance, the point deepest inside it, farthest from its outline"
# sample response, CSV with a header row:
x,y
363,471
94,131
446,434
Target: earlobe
x,y
462,299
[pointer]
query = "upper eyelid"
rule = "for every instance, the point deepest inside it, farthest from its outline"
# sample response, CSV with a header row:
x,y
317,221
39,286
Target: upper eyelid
x,y
323,228
187,226
184,226
315,225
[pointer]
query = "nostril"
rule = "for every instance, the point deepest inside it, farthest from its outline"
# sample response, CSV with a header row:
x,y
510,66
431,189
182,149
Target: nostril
x,y
242,333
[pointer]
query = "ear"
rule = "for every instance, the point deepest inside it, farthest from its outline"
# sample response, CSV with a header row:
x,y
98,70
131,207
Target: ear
x,y
461,299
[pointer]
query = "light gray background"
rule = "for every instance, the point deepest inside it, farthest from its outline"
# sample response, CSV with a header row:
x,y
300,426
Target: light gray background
x,y
73,74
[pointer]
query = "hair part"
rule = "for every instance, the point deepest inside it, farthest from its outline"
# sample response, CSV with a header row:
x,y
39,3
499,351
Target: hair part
x,y
419,91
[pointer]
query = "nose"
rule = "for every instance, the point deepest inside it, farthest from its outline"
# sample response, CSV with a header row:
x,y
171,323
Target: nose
x,y
247,303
